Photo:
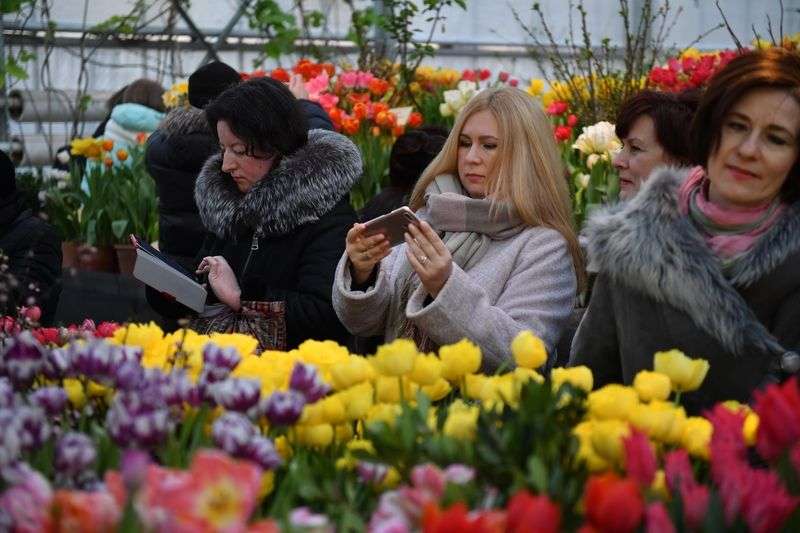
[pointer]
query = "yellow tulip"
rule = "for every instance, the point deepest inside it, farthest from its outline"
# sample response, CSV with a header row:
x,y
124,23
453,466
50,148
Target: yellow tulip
x,y
333,409
661,421
396,358
283,447
697,436
586,452
612,401
686,374
577,376
535,87
528,350
524,375
652,385
750,428
459,359
387,389
346,463
438,390
358,400
427,370
343,432
355,370
244,344
75,394
384,412
659,485
390,480
461,422
607,438
316,436
361,445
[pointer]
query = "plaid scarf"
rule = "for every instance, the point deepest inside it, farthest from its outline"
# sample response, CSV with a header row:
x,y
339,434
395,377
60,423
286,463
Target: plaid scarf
x,y
466,226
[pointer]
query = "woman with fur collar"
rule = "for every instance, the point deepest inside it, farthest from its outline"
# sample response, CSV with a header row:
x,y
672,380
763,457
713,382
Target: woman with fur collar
x,y
495,253
275,203
708,260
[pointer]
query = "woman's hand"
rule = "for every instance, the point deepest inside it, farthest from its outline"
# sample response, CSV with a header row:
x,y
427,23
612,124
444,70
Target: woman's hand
x,y
365,252
222,280
429,257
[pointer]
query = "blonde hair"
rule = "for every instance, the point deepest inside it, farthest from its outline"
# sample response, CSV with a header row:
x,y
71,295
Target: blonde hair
x,y
530,174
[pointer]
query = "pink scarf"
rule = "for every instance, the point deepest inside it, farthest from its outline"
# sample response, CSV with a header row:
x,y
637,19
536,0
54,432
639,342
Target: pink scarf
x,y
729,232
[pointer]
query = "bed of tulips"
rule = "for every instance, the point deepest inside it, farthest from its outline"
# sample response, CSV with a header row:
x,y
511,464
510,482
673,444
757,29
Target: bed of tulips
x,y
144,430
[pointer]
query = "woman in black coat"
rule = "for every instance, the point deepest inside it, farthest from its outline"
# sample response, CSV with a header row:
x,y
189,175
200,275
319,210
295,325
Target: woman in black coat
x,y
276,207
176,153
33,248
708,261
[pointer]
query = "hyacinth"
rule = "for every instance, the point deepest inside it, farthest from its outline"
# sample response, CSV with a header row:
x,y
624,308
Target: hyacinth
x,y
139,417
236,394
285,408
232,432
22,359
306,380
75,453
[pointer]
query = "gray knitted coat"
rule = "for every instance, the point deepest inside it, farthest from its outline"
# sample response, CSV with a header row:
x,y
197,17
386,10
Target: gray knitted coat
x,y
524,282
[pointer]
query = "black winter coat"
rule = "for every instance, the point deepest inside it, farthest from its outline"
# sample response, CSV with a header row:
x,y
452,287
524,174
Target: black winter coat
x,y
34,251
175,154
660,287
284,237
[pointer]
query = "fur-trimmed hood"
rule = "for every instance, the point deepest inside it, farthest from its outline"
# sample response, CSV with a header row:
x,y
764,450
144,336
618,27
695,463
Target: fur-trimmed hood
x,y
301,189
647,244
185,120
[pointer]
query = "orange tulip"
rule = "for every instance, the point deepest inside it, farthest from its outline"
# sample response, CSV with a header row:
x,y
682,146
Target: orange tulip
x,y
108,145
108,162
122,154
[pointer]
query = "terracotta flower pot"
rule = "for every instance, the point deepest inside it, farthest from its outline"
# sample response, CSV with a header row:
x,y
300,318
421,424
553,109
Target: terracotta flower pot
x,y
126,258
97,258
69,254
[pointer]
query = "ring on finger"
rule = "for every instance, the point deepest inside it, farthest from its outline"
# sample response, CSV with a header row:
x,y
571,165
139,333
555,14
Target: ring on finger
x,y
367,255
423,259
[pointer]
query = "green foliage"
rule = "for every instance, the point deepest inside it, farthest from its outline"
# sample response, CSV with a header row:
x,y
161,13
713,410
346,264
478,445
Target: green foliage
x,y
375,152
280,26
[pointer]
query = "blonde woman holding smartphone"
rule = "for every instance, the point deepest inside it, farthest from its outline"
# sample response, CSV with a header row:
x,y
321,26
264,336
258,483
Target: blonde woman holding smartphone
x,y
494,252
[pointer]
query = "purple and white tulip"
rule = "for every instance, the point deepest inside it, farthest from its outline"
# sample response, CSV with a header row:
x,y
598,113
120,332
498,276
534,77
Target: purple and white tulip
x,y
139,418
34,427
371,473
10,442
262,451
7,396
75,453
218,362
23,358
306,380
51,399
232,432
284,408
57,362
236,394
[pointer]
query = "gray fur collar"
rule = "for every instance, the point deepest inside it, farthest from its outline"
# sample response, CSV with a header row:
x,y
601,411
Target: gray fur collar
x,y
183,121
647,244
301,189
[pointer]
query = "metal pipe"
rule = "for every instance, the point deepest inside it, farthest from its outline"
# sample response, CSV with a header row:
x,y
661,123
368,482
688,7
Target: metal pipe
x,y
54,106
34,150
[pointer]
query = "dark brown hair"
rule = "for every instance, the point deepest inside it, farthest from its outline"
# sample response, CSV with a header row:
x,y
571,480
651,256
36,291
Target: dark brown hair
x,y
774,68
670,112
145,92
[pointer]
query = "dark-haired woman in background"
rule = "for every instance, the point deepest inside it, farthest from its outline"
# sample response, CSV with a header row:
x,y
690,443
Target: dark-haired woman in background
x,y
708,261
275,202
411,153
653,128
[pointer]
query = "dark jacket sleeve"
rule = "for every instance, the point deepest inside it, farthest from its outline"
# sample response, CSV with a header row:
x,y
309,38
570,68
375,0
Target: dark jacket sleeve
x,y
596,344
309,309
318,118
37,262
785,325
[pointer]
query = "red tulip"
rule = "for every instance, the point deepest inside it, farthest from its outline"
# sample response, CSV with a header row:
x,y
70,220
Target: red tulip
x,y
514,82
613,504
778,409
532,514
572,120
563,133
503,76
484,74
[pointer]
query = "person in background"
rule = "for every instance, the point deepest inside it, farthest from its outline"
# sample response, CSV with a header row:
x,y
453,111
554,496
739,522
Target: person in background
x,y
275,203
653,129
141,111
707,261
33,248
411,153
174,155
495,252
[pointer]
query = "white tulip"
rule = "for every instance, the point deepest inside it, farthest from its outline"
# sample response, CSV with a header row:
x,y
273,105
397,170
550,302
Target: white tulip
x,y
598,139
445,110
